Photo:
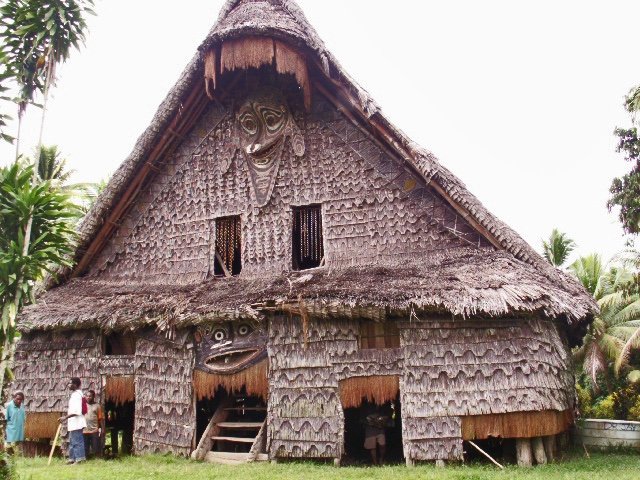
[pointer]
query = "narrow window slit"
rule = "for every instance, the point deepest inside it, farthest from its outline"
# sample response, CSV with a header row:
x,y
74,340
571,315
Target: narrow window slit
x,y
228,258
308,248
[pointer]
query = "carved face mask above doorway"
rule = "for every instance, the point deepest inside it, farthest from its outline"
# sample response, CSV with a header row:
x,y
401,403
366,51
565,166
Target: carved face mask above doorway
x,y
229,347
264,122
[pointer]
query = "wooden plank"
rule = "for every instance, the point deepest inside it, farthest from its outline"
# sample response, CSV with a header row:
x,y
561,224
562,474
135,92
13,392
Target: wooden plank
x,y
248,425
248,409
235,439
256,448
229,455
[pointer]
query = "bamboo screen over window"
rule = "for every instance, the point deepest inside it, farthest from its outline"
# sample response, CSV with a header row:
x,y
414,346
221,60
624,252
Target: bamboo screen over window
x,y
308,250
379,335
228,246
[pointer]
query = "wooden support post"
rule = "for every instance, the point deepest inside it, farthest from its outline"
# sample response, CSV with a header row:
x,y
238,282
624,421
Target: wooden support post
x,y
440,463
523,452
563,441
336,462
538,450
550,447
410,463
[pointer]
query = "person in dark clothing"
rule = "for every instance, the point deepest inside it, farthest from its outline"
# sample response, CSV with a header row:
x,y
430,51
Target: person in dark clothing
x,y
374,434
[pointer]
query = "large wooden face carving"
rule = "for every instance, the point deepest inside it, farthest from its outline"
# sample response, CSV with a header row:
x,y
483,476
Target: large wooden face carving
x,y
264,122
229,347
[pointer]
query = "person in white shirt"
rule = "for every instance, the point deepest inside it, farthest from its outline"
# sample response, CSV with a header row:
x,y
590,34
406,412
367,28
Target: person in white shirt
x,y
75,423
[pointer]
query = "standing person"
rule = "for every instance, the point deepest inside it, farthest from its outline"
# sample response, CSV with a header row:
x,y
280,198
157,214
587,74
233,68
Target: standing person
x,y
374,434
75,423
95,426
15,418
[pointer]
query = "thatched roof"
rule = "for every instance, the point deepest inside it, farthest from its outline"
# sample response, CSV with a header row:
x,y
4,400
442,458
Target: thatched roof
x,y
473,283
512,279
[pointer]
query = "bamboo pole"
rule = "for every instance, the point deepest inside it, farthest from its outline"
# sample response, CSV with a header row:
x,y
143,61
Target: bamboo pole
x,y
53,445
485,454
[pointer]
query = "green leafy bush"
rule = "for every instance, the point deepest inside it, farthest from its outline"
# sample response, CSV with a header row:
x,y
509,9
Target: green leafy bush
x,y
603,408
7,466
584,401
624,399
634,411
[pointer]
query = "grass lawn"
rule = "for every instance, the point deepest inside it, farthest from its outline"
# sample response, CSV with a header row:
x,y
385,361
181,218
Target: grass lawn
x,y
612,466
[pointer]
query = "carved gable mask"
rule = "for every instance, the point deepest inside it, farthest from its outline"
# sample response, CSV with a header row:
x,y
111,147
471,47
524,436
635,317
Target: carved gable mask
x,y
263,124
226,348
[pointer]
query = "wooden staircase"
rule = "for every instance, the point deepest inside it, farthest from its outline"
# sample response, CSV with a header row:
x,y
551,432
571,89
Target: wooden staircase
x,y
236,433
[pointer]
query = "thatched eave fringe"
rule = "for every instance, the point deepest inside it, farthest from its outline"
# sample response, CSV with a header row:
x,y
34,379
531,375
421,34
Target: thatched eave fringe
x,y
493,284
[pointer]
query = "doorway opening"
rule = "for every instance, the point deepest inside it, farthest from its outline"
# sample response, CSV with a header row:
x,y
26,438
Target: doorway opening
x,y
230,425
372,420
119,424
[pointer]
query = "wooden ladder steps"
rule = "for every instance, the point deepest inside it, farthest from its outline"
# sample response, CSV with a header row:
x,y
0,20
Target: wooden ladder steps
x,y
233,458
235,439
248,425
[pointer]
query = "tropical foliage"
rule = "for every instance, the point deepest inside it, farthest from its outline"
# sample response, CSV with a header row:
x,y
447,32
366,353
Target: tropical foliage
x,y
625,190
557,248
23,261
37,218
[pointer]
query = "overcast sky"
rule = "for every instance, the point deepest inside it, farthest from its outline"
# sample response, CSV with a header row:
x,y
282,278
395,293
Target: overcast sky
x,y
519,99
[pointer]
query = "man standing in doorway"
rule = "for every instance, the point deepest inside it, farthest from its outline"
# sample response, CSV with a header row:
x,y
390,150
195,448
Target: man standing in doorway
x,y
95,426
15,417
75,423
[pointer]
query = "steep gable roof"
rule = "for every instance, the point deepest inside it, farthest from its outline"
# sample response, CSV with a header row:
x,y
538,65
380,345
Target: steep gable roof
x,y
283,19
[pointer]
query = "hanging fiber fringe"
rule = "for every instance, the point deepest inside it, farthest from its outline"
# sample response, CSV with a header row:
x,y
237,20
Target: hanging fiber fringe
x,y
254,52
41,424
516,424
120,389
254,379
378,389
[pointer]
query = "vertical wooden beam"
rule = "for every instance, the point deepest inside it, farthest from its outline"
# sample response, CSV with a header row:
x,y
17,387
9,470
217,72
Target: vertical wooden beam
x,y
550,447
538,450
523,452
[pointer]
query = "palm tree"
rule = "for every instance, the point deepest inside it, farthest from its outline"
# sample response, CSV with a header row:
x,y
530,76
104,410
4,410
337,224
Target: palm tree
x,y
557,249
615,331
24,260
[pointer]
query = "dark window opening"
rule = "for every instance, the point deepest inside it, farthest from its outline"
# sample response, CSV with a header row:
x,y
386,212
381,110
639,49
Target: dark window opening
x,y
119,344
308,250
379,335
228,258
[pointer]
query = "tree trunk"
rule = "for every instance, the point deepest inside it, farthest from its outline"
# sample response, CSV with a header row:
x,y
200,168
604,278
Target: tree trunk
x,y
523,452
538,450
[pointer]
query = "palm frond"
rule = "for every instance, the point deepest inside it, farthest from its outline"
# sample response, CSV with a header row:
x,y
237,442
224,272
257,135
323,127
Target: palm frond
x,y
594,362
632,343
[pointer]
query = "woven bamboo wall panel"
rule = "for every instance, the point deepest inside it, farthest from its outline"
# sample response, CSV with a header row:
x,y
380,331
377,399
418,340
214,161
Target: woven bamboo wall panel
x,y
432,438
116,365
305,413
165,417
367,205
479,370
44,375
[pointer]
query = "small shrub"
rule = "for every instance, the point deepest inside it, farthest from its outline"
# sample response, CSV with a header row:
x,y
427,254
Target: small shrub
x,y
7,466
624,400
604,408
634,411
584,401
